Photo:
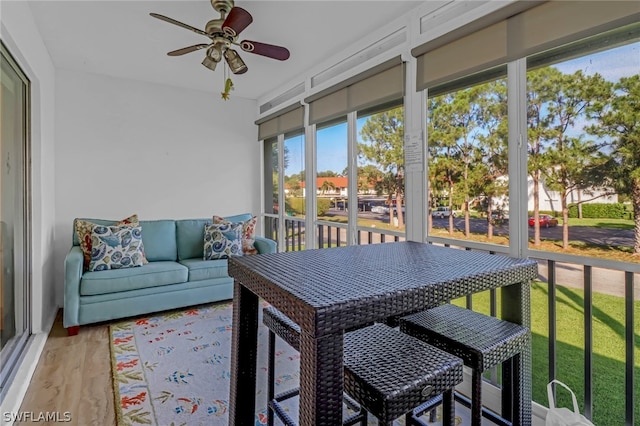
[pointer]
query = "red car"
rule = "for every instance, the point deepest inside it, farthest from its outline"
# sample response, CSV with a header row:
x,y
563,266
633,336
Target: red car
x,y
545,220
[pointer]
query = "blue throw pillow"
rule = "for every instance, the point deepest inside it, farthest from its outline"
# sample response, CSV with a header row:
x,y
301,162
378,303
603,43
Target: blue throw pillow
x,y
116,247
222,240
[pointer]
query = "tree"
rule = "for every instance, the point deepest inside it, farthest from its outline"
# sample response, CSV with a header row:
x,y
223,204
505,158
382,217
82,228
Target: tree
x,y
371,176
492,165
327,185
383,146
618,118
568,158
443,153
453,131
541,86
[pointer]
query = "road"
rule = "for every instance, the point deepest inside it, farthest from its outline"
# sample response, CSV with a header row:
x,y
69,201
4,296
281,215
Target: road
x,y
569,275
587,234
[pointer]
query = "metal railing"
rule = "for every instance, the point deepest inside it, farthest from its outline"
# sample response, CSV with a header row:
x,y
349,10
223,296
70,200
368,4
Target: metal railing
x,y
558,272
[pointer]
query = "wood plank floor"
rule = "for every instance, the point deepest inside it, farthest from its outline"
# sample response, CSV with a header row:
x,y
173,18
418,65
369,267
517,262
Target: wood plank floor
x,y
74,376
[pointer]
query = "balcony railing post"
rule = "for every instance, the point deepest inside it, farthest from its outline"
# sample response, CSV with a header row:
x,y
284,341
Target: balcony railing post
x,y
551,285
588,343
630,346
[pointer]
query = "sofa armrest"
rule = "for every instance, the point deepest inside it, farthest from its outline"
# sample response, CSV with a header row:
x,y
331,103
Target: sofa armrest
x,y
73,264
265,245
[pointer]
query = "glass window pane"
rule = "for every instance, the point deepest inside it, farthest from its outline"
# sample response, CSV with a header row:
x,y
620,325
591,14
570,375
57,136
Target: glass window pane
x,y
15,225
468,170
381,170
331,186
294,170
271,176
584,154
294,191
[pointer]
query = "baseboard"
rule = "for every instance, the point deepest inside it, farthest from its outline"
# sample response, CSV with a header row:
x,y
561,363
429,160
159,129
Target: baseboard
x,y
20,384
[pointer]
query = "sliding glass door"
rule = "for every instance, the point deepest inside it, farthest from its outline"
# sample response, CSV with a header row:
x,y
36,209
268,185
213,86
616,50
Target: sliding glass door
x,y
15,216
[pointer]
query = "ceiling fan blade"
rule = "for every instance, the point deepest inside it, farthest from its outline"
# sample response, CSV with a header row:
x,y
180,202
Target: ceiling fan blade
x,y
264,49
178,23
237,20
189,49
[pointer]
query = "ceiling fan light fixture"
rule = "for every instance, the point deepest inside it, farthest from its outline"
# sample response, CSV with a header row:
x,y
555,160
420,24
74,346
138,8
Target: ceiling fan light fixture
x,y
236,64
209,63
213,56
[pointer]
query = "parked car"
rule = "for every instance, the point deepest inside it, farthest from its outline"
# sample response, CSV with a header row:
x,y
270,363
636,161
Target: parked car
x,y
380,209
442,212
546,220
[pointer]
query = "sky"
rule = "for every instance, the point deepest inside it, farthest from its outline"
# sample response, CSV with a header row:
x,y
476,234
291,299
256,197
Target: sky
x,y
332,141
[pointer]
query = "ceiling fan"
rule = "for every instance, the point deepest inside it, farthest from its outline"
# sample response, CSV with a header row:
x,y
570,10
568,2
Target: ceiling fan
x,y
224,33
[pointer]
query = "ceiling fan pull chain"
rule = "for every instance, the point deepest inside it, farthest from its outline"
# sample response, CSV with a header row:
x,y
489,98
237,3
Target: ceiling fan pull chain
x,y
228,84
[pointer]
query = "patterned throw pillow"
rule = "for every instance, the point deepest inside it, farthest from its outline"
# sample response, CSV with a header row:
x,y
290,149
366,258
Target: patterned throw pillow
x,y
115,247
222,240
83,229
248,233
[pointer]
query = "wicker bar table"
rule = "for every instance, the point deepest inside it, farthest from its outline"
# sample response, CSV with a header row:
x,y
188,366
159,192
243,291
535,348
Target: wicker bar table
x,y
328,291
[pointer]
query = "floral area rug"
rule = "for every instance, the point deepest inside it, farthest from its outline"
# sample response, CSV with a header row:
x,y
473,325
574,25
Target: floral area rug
x,y
173,368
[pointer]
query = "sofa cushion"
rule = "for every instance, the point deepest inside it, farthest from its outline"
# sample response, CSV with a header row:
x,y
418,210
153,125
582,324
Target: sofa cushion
x,y
248,233
116,247
82,233
222,240
206,269
159,238
190,237
153,274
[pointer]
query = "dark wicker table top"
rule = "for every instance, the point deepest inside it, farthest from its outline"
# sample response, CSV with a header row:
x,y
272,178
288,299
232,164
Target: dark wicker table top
x,y
326,290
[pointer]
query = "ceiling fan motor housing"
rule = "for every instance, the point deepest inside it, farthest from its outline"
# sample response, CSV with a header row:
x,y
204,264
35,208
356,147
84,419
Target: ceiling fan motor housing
x,y
214,26
222,6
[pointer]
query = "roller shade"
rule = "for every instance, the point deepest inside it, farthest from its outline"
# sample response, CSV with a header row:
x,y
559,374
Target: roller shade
x,y
380,84
283,121
545,26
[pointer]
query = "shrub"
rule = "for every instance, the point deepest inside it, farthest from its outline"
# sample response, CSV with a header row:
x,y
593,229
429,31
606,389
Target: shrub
x,y
296,205
323,206
599,210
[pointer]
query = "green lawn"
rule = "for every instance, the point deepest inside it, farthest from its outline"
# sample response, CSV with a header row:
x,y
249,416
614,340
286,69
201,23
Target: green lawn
x,y
603,223
608,349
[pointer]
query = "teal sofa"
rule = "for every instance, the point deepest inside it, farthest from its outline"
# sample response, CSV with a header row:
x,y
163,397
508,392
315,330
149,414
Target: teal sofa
x,y
176,275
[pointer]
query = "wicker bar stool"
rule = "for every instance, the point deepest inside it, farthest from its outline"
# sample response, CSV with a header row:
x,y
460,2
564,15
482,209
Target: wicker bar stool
x,y
386,372
281,325
480,340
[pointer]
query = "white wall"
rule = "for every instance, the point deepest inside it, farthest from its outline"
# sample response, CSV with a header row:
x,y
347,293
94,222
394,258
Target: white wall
x,y
127,147
21,37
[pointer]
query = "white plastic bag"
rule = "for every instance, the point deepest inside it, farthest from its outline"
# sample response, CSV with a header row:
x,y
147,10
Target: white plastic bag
x,y
564,416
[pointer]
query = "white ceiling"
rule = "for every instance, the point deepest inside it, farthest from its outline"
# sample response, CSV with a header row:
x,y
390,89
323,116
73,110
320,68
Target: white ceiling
x,y
120,39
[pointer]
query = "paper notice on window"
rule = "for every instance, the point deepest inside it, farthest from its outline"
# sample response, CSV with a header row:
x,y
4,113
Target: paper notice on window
x,y
413,152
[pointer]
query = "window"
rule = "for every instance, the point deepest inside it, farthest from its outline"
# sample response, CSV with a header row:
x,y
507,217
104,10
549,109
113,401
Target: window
x,y
15,217
294,191
381,168
582,113
468,167
332,184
